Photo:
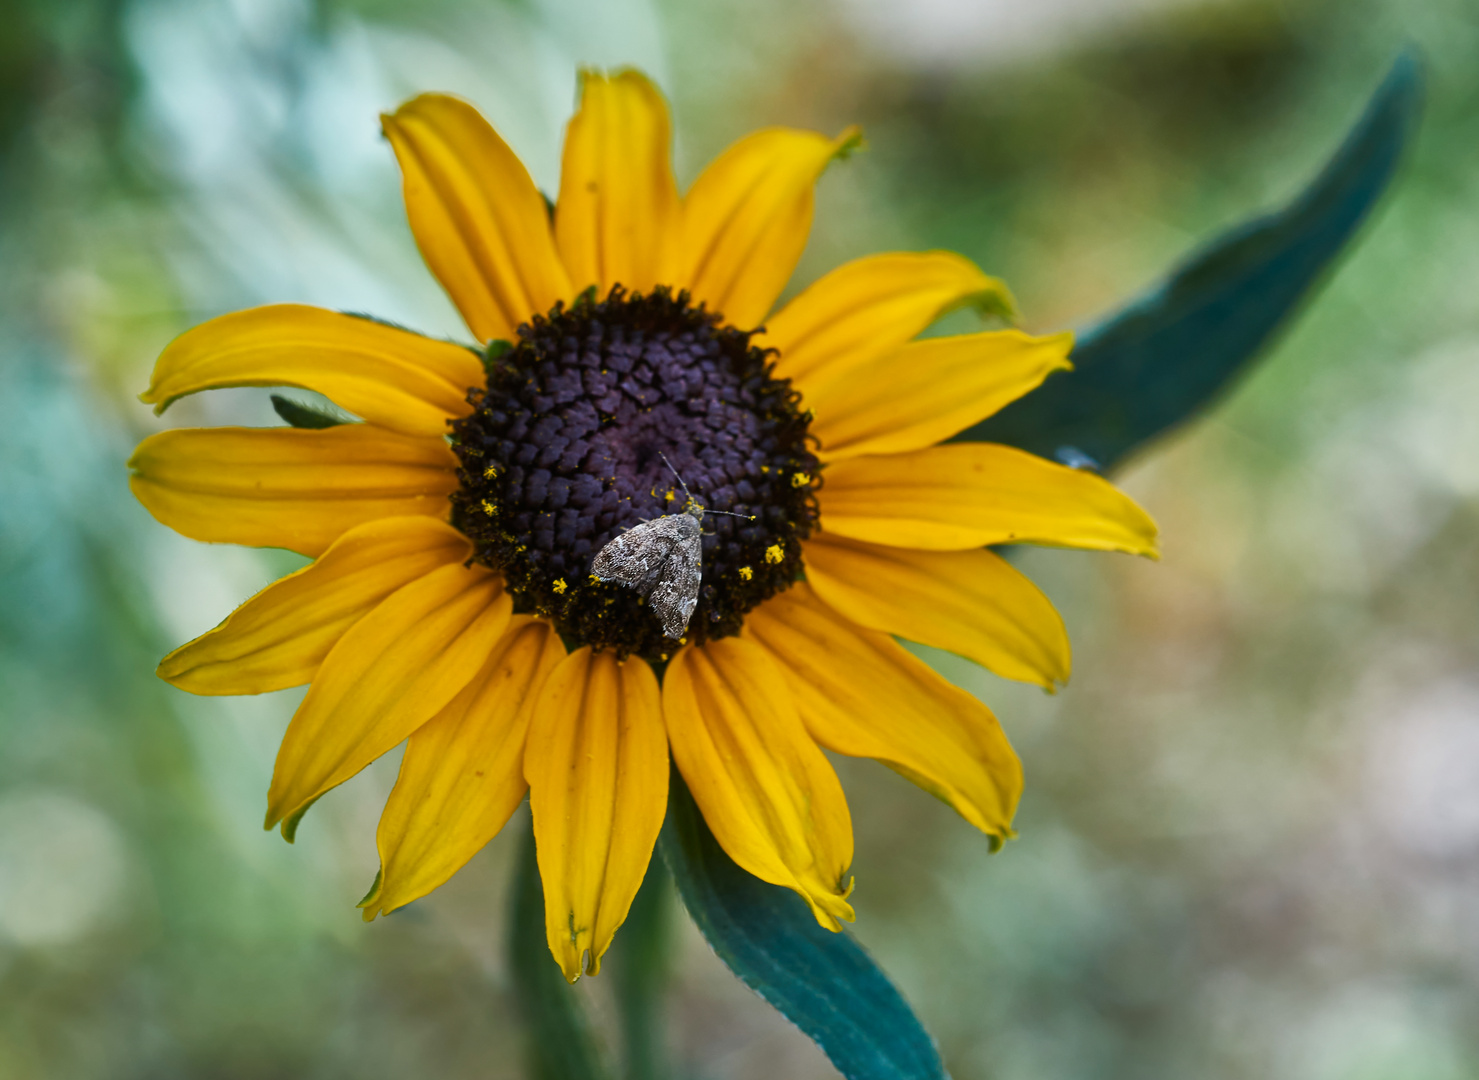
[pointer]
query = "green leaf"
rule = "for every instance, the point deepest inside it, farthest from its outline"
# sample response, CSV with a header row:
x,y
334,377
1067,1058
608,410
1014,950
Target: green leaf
x,y
1168,355
822,982
561,1046
307,416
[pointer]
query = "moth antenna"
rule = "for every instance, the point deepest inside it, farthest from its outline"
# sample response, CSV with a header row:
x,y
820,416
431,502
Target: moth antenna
x,y
669,464
689,495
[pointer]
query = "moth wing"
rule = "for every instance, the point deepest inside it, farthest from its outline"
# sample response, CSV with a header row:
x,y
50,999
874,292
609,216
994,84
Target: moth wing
x,y
637,557
676,593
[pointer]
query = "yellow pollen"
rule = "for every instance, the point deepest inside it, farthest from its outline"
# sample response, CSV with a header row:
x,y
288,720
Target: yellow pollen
x,y
775,553
746,573
595,580
800,479
669,497
490,472
559,586
488,508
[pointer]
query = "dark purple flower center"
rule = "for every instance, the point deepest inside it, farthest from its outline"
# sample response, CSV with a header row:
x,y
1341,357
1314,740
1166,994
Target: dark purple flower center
x,y
565,449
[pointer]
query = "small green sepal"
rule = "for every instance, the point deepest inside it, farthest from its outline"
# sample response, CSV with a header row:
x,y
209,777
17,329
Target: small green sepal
x,y
494,351
313,417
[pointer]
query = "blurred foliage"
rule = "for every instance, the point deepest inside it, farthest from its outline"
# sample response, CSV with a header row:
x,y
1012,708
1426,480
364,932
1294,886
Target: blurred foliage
x,y
1250,839
1163,359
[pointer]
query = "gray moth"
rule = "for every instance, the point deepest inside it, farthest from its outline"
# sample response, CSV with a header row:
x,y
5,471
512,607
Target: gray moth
x,y
663,560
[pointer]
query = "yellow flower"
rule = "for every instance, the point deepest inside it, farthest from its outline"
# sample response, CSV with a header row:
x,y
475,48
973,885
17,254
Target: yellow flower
x,y
633,324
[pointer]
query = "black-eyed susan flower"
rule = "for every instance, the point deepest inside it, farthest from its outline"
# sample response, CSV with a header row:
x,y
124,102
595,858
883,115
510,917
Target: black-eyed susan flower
x,y
450,603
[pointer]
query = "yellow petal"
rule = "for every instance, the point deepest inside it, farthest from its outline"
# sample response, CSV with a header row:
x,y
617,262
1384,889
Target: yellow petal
x,y
391,377
965,495
463,773
861,694
618,218
279,637
870,307
747,217
394,670
927,391
967,602
481,224
597,766
767,792
288,488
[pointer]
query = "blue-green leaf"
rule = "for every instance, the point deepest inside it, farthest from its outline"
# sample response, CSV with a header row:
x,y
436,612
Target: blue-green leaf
x,y
822,982
1168,354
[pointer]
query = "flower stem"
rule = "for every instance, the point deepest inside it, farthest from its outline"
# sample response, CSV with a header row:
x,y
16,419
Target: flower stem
x,y
641,953
560,1043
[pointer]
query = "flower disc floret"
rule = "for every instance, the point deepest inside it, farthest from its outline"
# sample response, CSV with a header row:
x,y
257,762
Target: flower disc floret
x,y
565,449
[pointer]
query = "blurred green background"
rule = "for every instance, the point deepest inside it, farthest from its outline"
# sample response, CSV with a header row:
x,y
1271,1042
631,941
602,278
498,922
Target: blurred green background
x,y
1250,840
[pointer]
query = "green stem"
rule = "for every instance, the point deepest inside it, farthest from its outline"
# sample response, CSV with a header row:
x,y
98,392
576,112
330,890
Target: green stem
x,y
641,954
561,1046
